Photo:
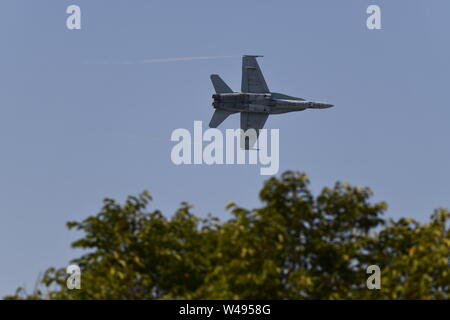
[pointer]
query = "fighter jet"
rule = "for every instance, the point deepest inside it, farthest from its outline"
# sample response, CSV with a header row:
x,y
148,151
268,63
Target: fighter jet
x,y
255,102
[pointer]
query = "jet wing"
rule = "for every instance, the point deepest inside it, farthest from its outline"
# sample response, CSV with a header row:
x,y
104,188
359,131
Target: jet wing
x,y
252,120
252,77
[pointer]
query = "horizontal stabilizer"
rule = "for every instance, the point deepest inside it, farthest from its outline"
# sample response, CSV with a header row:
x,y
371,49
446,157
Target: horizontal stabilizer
x,y
219,85
218,117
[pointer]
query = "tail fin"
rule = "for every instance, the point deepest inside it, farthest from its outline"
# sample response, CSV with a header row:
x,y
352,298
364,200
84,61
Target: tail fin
x,y
219,85
218,117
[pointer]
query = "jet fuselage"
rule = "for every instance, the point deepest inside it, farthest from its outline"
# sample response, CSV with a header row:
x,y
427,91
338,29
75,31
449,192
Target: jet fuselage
x,y
269,103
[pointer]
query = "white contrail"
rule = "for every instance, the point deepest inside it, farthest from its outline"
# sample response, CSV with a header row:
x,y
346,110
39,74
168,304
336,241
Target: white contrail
x,y
162,60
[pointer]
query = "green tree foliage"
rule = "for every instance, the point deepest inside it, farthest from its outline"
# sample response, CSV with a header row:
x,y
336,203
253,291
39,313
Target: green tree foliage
x,y
296,246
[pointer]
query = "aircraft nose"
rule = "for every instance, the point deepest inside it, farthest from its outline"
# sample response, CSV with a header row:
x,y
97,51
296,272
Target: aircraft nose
x,y
325,105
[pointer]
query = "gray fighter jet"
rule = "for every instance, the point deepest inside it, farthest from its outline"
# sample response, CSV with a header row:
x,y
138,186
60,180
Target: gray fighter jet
x,y
255,101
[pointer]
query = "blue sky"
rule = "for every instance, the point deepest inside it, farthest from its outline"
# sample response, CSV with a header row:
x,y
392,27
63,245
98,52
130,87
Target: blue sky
x,y
74,131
